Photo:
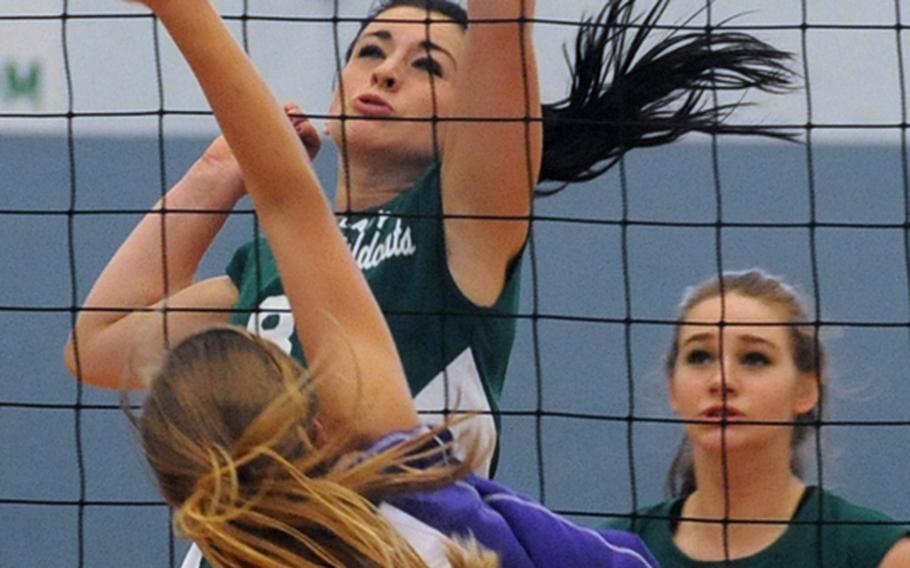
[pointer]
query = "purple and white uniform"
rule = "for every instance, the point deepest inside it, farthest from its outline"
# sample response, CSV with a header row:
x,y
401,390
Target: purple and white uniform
x,y
524,533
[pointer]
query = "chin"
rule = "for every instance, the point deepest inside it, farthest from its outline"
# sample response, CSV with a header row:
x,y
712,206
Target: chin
x,y
356,135
738,438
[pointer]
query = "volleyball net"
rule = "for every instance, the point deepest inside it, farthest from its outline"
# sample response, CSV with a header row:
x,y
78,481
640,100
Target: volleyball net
x,y
99,117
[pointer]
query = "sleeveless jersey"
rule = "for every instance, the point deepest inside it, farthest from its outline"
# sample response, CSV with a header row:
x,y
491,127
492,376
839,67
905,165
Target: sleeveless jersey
x,y
454,352
851,536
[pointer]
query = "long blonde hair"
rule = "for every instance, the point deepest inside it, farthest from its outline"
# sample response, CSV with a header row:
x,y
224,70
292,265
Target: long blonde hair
x,y
229,430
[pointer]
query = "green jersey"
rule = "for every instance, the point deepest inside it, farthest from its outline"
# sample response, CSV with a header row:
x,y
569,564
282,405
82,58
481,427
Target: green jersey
x,y
454,352
850,536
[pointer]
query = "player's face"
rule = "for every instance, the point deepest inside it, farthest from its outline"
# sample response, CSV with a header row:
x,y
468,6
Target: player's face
x,y
398,70
753,364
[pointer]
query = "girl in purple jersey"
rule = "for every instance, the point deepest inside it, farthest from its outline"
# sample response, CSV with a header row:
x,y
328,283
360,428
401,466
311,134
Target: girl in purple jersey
x,y
271,465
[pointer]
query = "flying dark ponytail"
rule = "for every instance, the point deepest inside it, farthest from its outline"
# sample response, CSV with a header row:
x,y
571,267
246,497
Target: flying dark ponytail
x,y
624,95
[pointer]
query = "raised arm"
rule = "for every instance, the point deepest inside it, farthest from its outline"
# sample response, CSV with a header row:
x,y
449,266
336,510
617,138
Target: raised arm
x,y
128,301
133,282
344,335
491,168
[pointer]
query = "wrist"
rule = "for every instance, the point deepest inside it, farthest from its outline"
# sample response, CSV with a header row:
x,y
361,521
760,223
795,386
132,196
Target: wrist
x,y
211,185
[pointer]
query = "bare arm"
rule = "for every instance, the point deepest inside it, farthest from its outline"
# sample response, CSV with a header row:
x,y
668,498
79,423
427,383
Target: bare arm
x,y
491,168
135,277
898,556
343,332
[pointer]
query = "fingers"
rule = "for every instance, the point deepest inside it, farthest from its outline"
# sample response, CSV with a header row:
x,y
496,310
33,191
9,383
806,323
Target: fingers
x,y
307,133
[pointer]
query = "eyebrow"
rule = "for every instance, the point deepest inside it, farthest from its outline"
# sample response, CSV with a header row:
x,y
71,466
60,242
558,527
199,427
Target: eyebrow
x,y
426,44
748,338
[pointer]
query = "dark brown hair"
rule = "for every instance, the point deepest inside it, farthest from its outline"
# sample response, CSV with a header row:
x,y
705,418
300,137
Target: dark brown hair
x,y
449,9
629,90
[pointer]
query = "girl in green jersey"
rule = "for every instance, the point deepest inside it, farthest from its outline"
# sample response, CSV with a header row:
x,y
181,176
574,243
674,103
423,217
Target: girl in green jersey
x,y
749,391
415,72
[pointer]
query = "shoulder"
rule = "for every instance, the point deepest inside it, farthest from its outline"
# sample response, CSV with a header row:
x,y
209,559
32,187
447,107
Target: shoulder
x,y
898,555
654,525
838,508
646,518
869,534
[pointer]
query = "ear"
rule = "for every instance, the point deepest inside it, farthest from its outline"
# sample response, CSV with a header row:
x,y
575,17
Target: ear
x,y
808,393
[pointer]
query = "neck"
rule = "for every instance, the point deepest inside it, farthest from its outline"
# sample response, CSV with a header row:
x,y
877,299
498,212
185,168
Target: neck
x,y
756,485
748,486
367,183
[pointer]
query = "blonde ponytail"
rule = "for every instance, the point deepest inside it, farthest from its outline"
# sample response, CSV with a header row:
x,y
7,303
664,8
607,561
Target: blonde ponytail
x,y
229,429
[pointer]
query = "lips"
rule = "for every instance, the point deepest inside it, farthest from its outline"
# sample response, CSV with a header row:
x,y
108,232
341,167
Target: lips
x,y
720,412
369,104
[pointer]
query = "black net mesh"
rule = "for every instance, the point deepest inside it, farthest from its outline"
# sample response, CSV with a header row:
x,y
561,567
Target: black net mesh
x,y
97,122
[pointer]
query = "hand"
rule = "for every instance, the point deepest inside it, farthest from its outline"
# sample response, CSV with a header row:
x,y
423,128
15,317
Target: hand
x,y
219,153
219,157
218,165
307,133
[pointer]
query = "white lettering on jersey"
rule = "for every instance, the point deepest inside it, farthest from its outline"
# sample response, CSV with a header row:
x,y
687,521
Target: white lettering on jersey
x,y
367,248
274,320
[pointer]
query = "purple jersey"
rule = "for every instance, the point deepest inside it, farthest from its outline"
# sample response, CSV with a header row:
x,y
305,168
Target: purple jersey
x,y
524,533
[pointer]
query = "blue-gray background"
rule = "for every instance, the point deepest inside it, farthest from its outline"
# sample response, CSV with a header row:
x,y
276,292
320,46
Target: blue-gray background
x,y
582,367
850,50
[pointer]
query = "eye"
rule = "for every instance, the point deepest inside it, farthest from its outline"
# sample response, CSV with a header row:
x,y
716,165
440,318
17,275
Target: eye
x,y
371,51
756,359
429,65
698,357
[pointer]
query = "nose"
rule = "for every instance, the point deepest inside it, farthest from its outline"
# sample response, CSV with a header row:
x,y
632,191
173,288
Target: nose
x,y
723,377
385,76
